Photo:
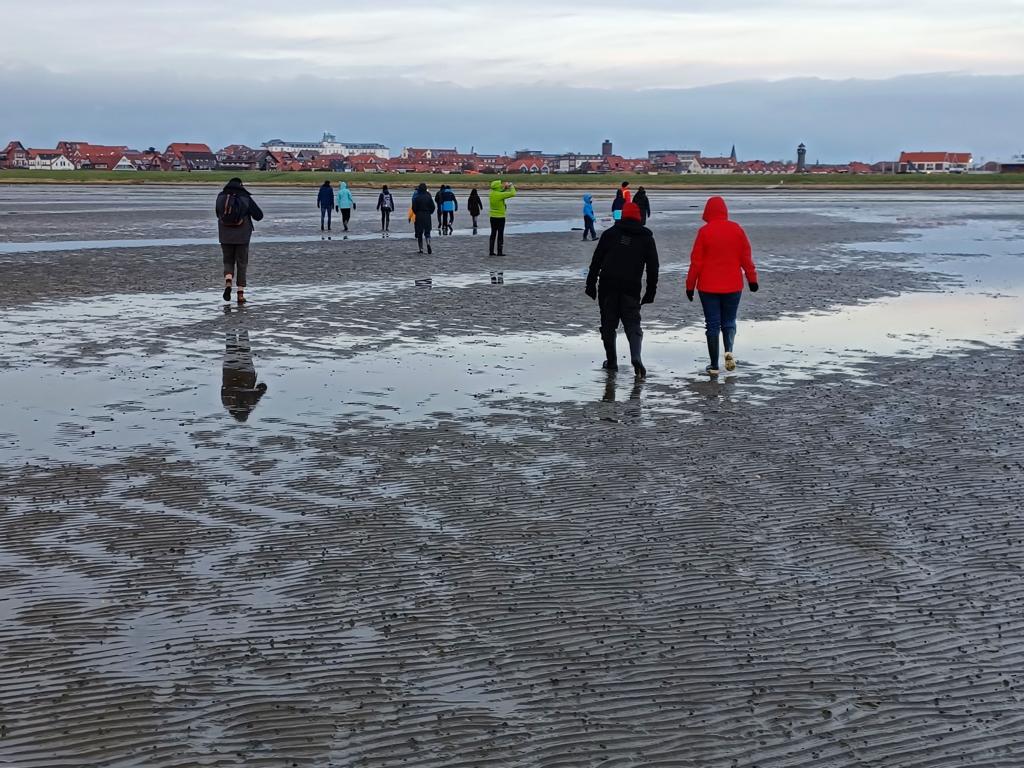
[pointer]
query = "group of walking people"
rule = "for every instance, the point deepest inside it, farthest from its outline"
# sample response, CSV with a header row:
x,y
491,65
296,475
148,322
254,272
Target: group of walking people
x,y
720,259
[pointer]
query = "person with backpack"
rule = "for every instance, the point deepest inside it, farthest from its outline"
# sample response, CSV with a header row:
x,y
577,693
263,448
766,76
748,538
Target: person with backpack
x,y
325,202
422,211
236,211
501,192
474,205
720,258
588,218
449,205
643,204
385,204
622,255
345,203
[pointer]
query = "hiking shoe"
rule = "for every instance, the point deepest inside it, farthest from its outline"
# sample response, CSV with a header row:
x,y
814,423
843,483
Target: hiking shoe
x,y
227,292
639,370
730,362
429,249
608,365
711,370
241,298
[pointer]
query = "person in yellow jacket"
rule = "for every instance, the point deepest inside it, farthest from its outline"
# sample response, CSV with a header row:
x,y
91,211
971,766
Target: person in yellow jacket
x,y
500,192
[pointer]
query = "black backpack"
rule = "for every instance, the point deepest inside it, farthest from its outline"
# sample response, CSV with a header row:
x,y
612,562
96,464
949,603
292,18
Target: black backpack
x,y
235,210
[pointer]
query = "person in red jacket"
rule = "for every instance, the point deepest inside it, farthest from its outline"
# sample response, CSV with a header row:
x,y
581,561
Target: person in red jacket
x,y
720,258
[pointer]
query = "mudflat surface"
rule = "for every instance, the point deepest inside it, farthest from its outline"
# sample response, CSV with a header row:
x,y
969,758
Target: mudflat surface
x,y
442,536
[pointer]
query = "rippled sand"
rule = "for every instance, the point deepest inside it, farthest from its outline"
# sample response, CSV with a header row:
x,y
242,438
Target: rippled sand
x,y
442,537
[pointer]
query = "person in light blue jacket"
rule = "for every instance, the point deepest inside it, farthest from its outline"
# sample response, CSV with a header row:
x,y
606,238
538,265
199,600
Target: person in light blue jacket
x,y
588,217
345,203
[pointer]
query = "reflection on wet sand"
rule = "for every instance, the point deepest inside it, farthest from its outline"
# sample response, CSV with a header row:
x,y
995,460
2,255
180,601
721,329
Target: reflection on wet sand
x,y
239,391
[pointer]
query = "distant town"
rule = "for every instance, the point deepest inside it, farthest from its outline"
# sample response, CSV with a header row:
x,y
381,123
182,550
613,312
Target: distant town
x,y
332,155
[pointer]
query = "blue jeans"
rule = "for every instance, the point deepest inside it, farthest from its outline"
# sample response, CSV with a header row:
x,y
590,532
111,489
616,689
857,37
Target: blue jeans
x,y
325,213
720,311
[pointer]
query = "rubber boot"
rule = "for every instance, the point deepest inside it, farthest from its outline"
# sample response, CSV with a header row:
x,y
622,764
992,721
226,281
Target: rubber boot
x,y
611,362
713,353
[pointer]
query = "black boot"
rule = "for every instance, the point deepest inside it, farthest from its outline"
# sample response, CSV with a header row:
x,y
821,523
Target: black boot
x,y
713,354
611,362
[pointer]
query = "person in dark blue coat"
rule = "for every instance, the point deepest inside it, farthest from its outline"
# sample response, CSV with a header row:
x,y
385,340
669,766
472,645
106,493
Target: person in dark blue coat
x,y
325,202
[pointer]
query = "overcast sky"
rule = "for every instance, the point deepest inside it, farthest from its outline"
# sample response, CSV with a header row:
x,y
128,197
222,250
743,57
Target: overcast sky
x,y
500,75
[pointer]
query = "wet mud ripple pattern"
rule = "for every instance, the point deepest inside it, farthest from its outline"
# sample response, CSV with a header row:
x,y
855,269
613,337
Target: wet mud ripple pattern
x,y
833,579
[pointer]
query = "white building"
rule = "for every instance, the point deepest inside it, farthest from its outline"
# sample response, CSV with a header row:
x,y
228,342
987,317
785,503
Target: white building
x,y
328,145
48,160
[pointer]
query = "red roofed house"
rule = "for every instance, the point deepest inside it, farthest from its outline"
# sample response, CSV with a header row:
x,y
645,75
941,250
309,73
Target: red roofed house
x,y
190,157
14,155
528,165
103,159
935,162
717,165
49,160
419,155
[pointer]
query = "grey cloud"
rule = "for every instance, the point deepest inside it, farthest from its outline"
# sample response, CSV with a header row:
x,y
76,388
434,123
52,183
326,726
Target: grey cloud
x,y
838,120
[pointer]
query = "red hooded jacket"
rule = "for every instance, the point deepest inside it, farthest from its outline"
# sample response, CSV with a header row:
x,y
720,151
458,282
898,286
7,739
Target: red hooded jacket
x,y
720,252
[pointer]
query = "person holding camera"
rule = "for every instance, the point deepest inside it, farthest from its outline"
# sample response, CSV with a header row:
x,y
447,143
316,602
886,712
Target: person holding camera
x,y
501,191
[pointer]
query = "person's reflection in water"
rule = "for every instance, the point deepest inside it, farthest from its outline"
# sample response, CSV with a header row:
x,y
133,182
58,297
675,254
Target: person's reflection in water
x,y
239,391
609,389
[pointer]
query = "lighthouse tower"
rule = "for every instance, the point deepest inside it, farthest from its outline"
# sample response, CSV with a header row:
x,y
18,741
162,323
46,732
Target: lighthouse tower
x,y
801,159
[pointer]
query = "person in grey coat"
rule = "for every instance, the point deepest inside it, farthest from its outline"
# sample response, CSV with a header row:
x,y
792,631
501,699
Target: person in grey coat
x,y
236,211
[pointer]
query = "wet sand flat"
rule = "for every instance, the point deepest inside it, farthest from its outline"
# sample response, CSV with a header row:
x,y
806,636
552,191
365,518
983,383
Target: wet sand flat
x,y
442,536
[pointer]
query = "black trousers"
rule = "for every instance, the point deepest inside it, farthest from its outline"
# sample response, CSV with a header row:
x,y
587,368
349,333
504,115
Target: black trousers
x,y
236,262
588,228
385,218
497,234
617,307
422,228
346,214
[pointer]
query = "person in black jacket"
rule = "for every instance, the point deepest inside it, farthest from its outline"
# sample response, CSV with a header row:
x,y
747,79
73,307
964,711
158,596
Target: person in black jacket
x,y
325,202
440,214
474,205
621,256
423,208
236,211
643,204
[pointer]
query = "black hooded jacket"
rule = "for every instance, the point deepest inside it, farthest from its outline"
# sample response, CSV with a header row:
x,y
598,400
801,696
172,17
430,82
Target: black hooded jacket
x,y
236,235
640,198
621,256
422,203
474,204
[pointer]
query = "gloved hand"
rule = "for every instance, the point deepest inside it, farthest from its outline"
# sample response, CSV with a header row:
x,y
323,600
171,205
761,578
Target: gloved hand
x,y
591,291
689,295
648,298
754,287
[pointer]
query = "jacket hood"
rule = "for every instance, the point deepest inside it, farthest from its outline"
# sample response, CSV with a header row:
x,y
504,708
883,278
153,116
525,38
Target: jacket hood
x,y
496,185
234,186
588,199
422,187
343,185
716,209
